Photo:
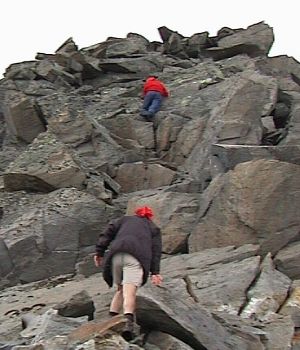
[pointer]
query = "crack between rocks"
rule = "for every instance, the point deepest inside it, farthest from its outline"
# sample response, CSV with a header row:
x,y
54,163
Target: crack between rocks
x,y
247,300
189,288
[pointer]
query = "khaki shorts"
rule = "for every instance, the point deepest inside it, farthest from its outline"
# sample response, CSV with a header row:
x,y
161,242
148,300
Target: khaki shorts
x,y
126,269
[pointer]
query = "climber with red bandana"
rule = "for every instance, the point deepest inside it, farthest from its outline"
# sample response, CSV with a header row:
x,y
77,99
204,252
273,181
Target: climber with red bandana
x,y
135,247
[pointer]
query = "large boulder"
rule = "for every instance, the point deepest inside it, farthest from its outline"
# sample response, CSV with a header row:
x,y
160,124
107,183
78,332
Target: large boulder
x,y
238,207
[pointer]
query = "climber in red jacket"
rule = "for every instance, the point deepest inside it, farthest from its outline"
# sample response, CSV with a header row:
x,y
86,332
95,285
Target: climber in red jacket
x,y
154,91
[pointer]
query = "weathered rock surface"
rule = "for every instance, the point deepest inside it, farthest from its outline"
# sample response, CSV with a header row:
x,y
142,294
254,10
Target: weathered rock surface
x,y
219,165
240,210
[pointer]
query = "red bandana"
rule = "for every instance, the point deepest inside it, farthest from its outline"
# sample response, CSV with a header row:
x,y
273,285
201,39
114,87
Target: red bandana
x,y
144,212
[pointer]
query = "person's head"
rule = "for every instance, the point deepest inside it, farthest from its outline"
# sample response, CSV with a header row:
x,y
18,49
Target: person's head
x,y
152,77
144,212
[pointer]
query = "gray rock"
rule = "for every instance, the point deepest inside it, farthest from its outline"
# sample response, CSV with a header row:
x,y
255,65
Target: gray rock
x,y
250,223
287,260
268,293
291,306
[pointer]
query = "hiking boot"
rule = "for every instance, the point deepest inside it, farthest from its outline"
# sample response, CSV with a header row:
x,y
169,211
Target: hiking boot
x,y
144,119
144,113
149,119
128,332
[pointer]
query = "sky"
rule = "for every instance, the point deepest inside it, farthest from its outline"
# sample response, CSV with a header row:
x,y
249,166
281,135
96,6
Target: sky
x,y
31,26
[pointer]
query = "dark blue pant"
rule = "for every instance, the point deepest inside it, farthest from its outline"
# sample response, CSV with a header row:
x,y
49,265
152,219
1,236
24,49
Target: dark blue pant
x,y
152,103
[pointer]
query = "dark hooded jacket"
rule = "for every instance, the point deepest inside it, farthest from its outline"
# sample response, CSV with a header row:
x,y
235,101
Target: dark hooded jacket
x,y
134,235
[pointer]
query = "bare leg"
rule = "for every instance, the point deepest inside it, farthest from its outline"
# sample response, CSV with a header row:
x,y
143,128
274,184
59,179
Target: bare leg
x,y
117,301
129,297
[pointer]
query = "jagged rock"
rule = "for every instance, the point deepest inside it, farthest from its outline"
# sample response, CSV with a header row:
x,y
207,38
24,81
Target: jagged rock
x,y
99,188
268,293
165,33
21,71
6,264
80,304
291,305
223,188
162,341
199,276
132,45
67,47
206,82
181,265
228,156
65,60
131,133
54,73
22,117
142,65
242,41
50,324
92,329
36,88
40,250
287,259
225,31
95,147
137,176
196,43
45,166
250,223
281,65
281,114
201,285
279,333
229,123
293,125
108,342
159,309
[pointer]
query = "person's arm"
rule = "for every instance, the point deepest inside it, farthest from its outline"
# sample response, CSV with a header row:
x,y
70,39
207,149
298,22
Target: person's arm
x,y
144,91
156,278
104,240
166,92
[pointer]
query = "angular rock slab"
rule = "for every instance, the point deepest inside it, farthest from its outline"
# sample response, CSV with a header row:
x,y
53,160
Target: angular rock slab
x,y
292,304
51,239
231,155
163,341
250,205
268,293
22,118
46,165
159,309
259,35
288,259
91,329
142,176
210,286
80,304
50,324
279,333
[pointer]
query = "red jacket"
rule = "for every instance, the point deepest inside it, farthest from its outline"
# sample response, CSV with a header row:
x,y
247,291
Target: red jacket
x,y
153,84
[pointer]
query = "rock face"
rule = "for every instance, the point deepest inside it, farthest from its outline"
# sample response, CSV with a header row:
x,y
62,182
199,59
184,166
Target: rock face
x,y
219,165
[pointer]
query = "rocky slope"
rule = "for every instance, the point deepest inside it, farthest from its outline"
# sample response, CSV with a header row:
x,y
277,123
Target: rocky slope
x,y
220,165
